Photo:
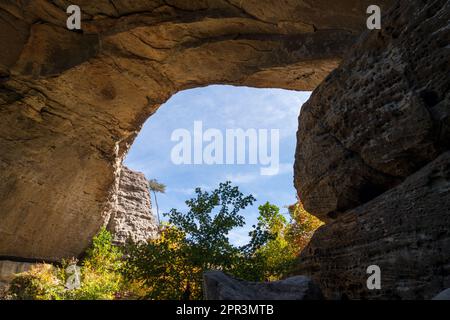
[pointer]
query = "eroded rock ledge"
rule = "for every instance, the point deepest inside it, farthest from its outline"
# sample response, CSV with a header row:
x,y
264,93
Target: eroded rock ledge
x,y
372,154
405,232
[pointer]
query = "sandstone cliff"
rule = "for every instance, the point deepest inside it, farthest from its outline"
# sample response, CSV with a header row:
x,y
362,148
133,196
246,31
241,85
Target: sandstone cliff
x,y
372,159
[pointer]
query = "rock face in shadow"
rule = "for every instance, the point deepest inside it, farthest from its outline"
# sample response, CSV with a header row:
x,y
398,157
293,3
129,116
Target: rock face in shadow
x,y
132,219
219,286
382,115
372,161
71,103
405,232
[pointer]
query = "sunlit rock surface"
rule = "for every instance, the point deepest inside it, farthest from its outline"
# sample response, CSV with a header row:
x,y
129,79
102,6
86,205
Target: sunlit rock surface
x,y
132,219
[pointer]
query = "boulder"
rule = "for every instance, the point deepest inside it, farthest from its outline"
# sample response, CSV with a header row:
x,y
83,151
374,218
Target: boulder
x,y
219,286
443,295
8,269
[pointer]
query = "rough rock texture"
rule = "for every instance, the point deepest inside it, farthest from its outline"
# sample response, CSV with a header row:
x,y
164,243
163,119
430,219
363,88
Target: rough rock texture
x,y
71,103
379,119
132,219
382,115
405,231
219,286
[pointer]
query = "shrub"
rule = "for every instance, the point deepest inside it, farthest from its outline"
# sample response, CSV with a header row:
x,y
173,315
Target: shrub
x,y
39,283
100,276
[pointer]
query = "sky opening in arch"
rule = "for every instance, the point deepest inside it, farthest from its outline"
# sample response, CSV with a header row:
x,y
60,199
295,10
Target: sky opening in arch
x,y
220,107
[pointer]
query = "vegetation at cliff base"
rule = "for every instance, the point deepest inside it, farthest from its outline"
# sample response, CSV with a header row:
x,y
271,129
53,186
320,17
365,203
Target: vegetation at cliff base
x,y
171,266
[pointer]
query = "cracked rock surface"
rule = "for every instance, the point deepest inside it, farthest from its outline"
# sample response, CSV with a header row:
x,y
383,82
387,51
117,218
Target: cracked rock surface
x,y
381,116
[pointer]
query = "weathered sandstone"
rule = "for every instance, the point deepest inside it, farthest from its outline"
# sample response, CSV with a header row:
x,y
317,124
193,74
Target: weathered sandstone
x,y
132,219
371,160
382,115
372,157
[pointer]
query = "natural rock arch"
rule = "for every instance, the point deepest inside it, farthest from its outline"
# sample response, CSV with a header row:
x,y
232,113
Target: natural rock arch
x,y
72,103
372,155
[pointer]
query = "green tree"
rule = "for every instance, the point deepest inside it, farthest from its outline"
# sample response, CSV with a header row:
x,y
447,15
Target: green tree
x,y
268,254
276,243
194,241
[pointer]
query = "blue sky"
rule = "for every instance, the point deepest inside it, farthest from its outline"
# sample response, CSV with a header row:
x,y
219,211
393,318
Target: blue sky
x,y
220,107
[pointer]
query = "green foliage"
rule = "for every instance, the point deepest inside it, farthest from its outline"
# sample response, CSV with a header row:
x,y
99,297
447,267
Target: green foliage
x,y
192,242
100,276
268,256
275,243
155,186
103,256
40,283
163,267
171,267
301,228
